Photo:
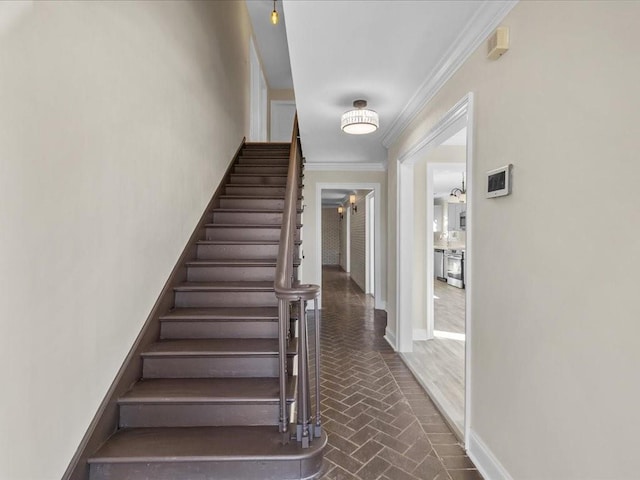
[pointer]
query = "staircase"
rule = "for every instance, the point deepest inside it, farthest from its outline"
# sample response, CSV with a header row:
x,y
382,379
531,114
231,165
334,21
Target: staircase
x,y
208,403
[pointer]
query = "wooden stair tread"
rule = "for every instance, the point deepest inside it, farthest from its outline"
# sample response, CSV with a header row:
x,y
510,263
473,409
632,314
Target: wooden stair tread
x,y
246,225
223,313
256,262
243,242
217,347
207,390
197,444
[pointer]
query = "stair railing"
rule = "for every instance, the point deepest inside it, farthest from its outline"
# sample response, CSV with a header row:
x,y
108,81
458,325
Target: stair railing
x,y
292,294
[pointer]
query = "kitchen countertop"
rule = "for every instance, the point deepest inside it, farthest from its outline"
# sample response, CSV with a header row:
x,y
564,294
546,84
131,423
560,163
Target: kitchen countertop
x,y
448,247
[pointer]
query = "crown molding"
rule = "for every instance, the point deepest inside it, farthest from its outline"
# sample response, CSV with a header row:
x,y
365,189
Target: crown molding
x,y
487,18
358,167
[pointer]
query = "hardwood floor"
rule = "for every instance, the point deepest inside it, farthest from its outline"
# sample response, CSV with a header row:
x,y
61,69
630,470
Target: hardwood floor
x,y
439,363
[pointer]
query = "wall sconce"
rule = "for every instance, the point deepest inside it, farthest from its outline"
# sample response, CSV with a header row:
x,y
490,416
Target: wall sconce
x,y
352,202
341,212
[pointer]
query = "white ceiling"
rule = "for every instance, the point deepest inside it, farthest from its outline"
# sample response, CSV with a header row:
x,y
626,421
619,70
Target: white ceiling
x,y
388,52
335,197
447,178
271,43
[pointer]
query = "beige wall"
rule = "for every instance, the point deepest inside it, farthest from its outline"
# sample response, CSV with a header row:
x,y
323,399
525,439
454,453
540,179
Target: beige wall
x,y
310,271
278,94
117,121
555,330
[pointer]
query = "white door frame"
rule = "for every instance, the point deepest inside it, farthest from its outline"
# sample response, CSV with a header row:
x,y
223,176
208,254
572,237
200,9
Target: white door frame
x,y
378,301
370,244
461,114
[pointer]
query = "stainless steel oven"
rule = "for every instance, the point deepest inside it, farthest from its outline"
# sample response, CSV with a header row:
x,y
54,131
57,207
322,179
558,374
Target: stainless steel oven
x,y
455,268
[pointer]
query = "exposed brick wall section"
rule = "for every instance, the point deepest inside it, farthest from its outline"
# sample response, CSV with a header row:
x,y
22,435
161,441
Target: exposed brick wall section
x,y
330,236
358,241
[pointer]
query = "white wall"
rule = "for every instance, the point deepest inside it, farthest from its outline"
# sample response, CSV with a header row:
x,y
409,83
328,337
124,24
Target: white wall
x,y
311,273
555,330
117,121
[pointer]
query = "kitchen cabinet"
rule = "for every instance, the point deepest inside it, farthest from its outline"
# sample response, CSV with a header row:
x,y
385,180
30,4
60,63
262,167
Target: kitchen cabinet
x,y
453,213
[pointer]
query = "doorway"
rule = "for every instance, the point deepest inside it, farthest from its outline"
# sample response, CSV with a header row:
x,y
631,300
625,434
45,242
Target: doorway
x,y
360,232
414,179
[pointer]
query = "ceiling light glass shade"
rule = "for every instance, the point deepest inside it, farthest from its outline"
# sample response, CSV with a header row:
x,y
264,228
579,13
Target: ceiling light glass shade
x,y
360,121
274,17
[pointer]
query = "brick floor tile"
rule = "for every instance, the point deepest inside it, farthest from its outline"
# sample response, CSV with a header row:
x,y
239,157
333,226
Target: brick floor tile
x,y
449,450
465,475
374,468
367,451
381,424
429,469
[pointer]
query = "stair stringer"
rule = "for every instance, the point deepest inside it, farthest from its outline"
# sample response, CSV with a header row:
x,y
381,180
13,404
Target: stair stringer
x,y
105,421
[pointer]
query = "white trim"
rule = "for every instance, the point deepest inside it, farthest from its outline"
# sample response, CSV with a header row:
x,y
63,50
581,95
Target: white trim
x,y
484,459
404,260
377,192
369,243
420,334
452,121
352,167
468,265
461,113
479,27
390,337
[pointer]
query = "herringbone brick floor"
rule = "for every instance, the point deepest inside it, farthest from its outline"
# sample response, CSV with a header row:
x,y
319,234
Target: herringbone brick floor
x,y
380,422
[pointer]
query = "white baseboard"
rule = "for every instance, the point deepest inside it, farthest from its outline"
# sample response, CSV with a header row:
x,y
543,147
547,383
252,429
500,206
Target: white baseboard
x,y
419,334
390,337
487,464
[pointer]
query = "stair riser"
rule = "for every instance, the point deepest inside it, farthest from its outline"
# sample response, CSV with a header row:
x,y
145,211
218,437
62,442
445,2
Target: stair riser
x,y
241,234
250,218
197,415
257,180
210,367
261,169
217,252
257,191
220,470
212,274
218,329
253,203
280,161
225,299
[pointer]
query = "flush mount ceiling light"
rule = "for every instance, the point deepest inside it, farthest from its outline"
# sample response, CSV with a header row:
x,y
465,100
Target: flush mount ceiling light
x,y
360,120
274,14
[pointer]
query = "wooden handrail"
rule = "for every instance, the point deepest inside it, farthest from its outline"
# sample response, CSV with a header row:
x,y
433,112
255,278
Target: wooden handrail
x,y
288,290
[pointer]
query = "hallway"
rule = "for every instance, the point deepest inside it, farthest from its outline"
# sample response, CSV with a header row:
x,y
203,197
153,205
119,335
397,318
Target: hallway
x,y
381,424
